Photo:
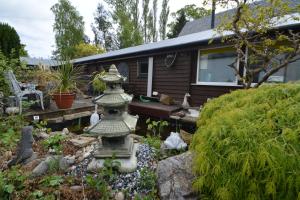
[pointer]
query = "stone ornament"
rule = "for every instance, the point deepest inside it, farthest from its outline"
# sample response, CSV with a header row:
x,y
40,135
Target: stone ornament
x,y
116,124
24,149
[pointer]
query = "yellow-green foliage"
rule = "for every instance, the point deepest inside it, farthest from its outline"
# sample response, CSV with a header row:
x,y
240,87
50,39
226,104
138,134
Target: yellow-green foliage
x,y
247,145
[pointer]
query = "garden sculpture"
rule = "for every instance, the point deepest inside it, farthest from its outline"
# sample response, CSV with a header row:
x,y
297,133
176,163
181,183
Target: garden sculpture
x,y
16,88
24,149
116,124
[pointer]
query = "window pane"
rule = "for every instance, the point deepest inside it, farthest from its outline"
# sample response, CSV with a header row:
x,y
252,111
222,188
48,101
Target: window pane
x,y
293,71
213,67
143,68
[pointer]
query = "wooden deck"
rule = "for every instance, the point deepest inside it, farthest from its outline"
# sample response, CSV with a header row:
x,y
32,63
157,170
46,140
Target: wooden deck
x,y
152,109
81,108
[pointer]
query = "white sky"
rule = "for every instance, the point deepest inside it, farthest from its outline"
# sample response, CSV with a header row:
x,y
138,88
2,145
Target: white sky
x,y
33,20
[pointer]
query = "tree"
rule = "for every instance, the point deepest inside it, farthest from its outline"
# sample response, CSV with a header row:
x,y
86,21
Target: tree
x,y
146,14
68,28
260,48
192,12
154,31
9,41
184,15
164,19
23,52
102,28
84,49
177,25
127,35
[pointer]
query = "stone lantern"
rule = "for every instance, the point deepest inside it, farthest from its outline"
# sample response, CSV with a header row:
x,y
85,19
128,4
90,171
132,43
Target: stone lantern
x,y
116,124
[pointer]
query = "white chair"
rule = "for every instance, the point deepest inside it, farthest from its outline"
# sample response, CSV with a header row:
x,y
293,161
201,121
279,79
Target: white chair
x,y
16,88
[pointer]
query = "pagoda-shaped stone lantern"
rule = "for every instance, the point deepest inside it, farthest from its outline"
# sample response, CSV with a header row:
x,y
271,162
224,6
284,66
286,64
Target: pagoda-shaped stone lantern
x,y
116,124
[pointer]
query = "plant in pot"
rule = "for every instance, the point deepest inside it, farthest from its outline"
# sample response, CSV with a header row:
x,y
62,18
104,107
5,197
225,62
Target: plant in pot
x,y
98,85
66,78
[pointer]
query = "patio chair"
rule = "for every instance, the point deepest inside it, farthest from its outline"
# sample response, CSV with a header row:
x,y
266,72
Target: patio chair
x,y
16,88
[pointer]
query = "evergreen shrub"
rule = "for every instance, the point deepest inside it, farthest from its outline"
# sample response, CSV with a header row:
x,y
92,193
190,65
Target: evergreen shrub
x,y
247,145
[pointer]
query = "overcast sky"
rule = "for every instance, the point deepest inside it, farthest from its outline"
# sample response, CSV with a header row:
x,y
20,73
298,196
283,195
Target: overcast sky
x,y
33,20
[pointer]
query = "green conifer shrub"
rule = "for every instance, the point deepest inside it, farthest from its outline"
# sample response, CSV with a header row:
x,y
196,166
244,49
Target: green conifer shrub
x,y
247,145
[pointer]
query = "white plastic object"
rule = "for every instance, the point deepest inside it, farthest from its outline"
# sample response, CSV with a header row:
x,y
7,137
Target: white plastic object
x,y
94,117
175,142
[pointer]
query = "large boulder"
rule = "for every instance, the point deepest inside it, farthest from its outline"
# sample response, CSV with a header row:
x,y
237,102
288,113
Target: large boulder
x,y
175,178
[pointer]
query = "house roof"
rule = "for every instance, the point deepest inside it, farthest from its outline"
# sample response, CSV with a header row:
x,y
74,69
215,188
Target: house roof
x,y
193,38
205,22
39,61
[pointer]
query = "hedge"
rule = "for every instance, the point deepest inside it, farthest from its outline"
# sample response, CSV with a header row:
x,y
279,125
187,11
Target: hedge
x,y
247,145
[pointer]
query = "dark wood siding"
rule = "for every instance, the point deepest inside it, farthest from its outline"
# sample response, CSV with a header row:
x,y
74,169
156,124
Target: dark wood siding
x,y
200,93
173,81
135,84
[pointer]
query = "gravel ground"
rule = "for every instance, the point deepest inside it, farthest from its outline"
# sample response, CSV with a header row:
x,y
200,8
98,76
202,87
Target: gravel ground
x,y
125,181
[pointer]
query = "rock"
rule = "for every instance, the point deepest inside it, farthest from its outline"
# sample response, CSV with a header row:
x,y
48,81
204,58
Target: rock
x,y
24,149
43,135
120,196
127,164
76,188
12,110
175,178
63,164
82,141
41,169
65,131
186,136
66,162
137,138
32,164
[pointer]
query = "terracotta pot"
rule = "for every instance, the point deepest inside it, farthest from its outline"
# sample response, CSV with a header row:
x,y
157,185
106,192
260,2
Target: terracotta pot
x,y
64,100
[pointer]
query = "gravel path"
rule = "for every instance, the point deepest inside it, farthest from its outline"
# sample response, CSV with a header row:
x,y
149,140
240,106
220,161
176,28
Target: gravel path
x,y
125,181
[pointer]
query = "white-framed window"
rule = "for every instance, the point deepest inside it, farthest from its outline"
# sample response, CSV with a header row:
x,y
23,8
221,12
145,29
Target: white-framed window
x,y
213,69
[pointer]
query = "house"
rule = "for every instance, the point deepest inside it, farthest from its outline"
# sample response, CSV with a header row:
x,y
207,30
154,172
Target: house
x,y
39,62
186,64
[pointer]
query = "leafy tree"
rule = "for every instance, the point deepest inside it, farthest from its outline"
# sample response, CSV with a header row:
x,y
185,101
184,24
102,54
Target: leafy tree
x,y
183,15
9,41
192,12
150,27
262,51
102,28
127,35
176,26
23,52
154,31
84,49
146,16
68,28
164,19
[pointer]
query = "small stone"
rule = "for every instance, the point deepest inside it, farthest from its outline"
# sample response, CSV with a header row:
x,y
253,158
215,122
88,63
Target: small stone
x,y
43,135
120,196
12,110
76,188
65,131
82,141
66,162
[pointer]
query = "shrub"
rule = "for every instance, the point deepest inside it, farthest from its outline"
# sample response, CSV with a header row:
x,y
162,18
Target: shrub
x,y
247,145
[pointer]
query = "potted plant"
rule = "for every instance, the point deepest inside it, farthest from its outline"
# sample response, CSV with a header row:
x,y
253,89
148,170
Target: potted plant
x,y
66,78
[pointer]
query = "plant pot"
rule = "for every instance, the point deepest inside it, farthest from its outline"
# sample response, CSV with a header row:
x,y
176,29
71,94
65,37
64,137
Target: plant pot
x,y
64,100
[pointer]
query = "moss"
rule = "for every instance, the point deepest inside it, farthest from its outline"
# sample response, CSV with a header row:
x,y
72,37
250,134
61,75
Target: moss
x,y
247,145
